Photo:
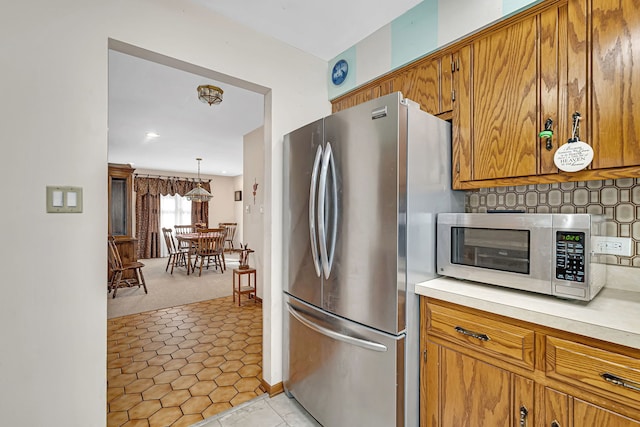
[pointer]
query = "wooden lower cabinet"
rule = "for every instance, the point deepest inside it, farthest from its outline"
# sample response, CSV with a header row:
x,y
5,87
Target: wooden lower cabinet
x,y
472,393
564,410
588,415
468,379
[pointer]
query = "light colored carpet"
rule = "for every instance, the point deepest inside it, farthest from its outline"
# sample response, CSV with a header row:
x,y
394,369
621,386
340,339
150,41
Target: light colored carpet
x,y
169,290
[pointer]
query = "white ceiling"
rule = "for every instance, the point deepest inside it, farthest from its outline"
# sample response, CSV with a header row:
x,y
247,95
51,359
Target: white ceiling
x,y
323,28
189,128
145,96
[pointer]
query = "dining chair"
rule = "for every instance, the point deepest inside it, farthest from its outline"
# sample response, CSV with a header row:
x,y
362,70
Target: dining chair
x,y
118,269
231,232
177,256
184,229
211,246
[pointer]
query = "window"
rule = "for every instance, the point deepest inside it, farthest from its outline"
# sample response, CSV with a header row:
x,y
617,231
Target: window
x,y
174,210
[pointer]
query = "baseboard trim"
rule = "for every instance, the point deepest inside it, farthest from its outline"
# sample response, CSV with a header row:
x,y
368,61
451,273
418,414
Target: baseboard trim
x,y
272,390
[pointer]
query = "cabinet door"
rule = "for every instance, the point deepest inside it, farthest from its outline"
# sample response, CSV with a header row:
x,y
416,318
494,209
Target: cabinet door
x,y
429,83
556,408
523,409
420,83
588,415
448,66
462,168
615,83
472,393
505,102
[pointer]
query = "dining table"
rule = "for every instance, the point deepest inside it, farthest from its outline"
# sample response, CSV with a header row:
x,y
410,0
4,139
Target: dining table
x,y
192,242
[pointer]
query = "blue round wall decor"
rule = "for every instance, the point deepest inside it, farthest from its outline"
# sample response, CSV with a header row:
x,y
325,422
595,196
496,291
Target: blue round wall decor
x,y
339,72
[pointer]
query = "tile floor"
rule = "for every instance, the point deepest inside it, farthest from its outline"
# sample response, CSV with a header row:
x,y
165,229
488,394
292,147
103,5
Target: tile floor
x,y
278,411
177,366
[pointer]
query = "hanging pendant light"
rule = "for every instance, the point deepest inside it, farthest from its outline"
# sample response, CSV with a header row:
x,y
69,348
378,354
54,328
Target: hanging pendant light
x,y
198,194
210,94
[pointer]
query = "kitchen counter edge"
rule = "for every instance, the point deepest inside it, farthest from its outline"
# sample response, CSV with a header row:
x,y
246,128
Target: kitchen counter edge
x,y
613,315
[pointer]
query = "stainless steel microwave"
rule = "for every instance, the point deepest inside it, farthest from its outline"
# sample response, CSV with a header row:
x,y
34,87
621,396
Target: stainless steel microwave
x,y
545,253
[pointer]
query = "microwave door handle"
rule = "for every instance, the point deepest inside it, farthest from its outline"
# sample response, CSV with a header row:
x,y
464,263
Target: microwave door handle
x,y
312,210
322,230
369,345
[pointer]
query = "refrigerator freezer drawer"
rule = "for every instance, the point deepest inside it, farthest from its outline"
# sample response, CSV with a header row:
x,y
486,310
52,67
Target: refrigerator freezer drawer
x,y
343,373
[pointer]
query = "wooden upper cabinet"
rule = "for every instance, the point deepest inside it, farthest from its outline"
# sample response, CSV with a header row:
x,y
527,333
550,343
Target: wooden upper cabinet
x,y
615,82
510,82
461,139
504,102
501,85
367,93
429,83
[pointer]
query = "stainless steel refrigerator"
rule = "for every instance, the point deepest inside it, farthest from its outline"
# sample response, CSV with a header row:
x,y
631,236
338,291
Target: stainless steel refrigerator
x,y
362,189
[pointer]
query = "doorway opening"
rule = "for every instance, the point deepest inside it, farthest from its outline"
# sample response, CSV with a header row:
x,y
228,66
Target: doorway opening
x,y
131,121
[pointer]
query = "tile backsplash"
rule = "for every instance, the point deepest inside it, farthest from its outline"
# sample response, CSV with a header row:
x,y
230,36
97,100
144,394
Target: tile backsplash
x,y
618,200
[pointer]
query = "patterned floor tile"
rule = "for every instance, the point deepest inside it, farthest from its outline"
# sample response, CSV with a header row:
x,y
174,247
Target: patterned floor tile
x,y
177,366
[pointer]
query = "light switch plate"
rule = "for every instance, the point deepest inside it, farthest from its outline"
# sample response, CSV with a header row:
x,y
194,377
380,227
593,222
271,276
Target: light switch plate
x,y
64,199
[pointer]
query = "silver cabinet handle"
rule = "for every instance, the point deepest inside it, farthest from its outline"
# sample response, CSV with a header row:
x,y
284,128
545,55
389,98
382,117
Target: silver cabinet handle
x,y
614,379
326,257
369,345
524,413
312,210
476,335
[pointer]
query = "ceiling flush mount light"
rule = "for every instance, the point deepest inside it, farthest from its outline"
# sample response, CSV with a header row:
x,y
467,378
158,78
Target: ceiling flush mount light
x,y
210,94
198,194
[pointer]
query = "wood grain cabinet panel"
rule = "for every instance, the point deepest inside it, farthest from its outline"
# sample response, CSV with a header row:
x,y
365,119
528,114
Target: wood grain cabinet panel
x,y
615,82
500,85
430,84
588,415
473,392
466,384
497,339
556,408
504,102
613,373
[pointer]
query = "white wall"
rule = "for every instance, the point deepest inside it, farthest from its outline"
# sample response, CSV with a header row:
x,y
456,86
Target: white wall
x,y
53,131
253,205
426,27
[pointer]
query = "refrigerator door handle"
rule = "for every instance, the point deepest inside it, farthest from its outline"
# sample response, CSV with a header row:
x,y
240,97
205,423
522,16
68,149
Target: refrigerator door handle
x,y
369,345
312,210
325,255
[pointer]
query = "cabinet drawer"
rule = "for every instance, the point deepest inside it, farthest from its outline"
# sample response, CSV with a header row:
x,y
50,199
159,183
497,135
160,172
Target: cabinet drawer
x,y
496,338
605,370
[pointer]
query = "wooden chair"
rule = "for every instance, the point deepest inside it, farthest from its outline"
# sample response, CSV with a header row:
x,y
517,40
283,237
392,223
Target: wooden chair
x,y
177,257
231,233
184,229
211,246
118,268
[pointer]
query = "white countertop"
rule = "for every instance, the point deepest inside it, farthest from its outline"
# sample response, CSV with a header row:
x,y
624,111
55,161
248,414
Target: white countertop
x,y
613,315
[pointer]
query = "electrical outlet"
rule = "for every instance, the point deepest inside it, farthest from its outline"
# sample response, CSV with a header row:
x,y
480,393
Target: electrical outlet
x,y
612,245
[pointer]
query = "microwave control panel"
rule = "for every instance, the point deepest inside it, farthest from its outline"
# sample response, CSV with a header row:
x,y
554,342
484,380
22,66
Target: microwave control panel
x,y
570,256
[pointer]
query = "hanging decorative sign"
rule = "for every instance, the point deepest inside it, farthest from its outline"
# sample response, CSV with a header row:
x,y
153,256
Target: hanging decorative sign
x,y
575,155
